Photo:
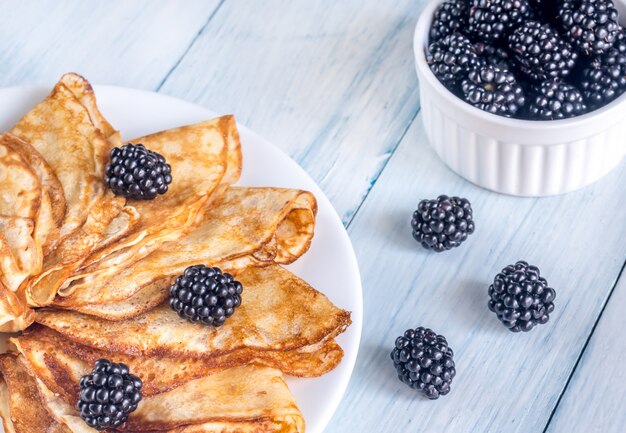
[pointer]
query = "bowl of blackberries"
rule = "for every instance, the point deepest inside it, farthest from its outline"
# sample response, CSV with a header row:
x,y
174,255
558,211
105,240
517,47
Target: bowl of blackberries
x,y
524,97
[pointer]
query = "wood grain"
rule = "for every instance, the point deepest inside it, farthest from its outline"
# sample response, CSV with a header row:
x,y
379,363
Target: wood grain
x,y
595,400
133,44
506,382
331,83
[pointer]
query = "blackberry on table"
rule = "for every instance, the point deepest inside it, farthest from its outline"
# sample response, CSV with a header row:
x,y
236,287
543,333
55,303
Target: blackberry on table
x,y
108,395
443,223
521,298
590,25
137,173
540,53
556,100
604,79
493,90
451,58
492,20
450,17
424,361
493,55
206,295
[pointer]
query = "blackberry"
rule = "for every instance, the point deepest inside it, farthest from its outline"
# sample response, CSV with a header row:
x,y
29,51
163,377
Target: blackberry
x,y
590,25
137,173
492,20
493,90
556,100
108,395
521,297
540,53
604,79
450,17
451,58
493,55
443,223
206,295
424,362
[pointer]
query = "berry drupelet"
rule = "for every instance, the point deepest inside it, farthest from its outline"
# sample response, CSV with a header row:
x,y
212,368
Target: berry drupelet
x,y
493,90
553,100
137,173
424,362
451,58
590,25
604,79
521,297
450,18
443,223
492,20
205,295
108,395
540,53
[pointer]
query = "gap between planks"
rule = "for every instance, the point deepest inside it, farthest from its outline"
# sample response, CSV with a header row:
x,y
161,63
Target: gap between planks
x,y
620,275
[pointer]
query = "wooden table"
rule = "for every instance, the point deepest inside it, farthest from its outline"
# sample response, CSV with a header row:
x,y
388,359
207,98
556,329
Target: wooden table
x,y
333,84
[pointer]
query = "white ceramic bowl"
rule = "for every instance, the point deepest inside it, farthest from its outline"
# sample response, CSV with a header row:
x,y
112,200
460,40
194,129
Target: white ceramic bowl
x,y
517,157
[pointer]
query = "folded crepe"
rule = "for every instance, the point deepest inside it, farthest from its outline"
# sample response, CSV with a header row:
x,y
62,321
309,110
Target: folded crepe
x,y
65,130
21,408
249,226
205,159
20,203
279,312
59,363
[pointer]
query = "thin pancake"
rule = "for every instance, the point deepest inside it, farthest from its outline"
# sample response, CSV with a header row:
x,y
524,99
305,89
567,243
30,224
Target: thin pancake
x,y
14,313
60,363
279,311
20,404
249,226
19,255
241,399
61,129
50,217
205,158
20,204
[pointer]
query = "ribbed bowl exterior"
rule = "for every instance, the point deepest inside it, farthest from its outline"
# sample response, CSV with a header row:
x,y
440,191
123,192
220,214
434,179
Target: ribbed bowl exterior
x,y
517,157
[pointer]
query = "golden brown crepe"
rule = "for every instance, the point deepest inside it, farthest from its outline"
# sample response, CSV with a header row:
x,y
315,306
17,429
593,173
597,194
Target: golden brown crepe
x,y
205,159
241,399
249,226
60,363
279,311
21,408
20,203
62,130
49,217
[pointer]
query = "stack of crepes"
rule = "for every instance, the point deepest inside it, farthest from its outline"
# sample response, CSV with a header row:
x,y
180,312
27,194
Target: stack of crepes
x,y
85,275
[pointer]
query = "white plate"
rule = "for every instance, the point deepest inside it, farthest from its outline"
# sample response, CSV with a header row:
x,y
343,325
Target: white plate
x,y
330,265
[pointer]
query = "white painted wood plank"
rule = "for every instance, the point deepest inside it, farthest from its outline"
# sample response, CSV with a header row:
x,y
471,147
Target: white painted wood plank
x,y
332,83
595,400
506,382
127,43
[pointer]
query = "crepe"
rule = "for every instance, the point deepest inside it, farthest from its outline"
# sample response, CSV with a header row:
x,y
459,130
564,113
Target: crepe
x,y
249,226
205,159
20,202
14,313
240,399
63,131
49,217
279,311
20,405
60,363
